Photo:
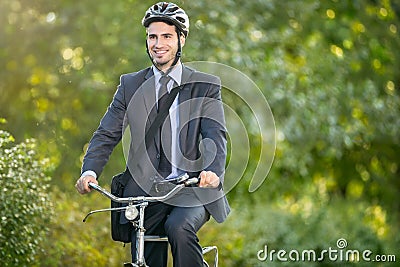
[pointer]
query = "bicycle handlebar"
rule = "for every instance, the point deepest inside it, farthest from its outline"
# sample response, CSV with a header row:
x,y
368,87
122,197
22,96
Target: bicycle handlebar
x,y
183,181
174,191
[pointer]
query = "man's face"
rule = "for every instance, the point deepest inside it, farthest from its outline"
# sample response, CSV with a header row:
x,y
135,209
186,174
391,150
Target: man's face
x,y
162,41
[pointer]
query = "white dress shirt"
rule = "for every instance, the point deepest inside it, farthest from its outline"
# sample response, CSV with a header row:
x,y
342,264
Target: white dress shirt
x,y
176,75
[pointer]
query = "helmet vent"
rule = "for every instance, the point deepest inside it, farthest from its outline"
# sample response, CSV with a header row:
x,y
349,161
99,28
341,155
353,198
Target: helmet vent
x,y
180,19
164,7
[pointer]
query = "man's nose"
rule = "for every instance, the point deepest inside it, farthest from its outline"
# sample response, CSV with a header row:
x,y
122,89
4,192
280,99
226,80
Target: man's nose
x,y
159,42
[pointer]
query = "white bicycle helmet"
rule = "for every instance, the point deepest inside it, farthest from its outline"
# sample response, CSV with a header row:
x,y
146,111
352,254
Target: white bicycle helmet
x,y
164,11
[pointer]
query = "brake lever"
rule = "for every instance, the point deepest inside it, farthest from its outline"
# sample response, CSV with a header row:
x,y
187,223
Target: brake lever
x,y
192,181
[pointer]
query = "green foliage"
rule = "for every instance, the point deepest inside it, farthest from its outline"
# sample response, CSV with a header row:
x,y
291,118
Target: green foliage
x,y
75,243
329,70
25,207
308,222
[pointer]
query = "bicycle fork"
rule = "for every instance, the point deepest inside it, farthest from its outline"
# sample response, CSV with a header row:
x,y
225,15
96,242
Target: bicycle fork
x,y
140,230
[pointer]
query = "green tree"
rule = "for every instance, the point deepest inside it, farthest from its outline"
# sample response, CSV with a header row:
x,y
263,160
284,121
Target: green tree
x,y
329,70
25,207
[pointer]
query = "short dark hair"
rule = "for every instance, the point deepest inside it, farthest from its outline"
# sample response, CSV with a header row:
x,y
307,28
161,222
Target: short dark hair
x,y
166,21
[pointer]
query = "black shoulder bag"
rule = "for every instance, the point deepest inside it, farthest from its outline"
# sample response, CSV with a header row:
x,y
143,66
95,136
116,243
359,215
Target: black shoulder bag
x,y
122,232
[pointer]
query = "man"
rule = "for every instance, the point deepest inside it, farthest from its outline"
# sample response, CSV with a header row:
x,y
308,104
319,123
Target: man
x,y
192,140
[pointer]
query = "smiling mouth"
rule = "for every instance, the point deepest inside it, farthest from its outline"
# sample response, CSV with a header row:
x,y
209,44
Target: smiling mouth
x,y
160,52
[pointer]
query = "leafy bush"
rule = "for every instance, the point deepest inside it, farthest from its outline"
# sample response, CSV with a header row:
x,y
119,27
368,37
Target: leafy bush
x,y
75,243
25,207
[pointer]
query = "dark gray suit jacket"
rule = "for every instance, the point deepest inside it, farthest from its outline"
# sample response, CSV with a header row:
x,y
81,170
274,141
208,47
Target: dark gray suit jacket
x,y
202,136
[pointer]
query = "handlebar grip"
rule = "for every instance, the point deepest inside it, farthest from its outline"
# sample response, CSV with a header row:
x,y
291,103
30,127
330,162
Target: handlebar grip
x,y
93,185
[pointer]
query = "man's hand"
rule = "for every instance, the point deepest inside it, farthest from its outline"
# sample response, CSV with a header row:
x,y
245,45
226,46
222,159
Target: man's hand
x,y
209,179
82,184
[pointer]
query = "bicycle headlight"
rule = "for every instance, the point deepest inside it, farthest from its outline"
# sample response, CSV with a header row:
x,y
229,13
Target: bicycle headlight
x,y
131,213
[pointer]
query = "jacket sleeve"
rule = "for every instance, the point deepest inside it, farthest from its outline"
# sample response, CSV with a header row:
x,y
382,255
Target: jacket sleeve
x,y
213,128
108,134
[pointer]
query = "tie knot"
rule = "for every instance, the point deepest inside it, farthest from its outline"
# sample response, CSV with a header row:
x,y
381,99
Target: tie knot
x,y
164,80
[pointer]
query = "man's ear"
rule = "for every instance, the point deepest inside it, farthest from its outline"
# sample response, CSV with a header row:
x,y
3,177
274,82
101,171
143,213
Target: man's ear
x,y
183,39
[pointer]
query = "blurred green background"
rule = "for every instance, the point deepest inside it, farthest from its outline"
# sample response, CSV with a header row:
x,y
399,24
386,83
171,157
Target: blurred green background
x,y
329,70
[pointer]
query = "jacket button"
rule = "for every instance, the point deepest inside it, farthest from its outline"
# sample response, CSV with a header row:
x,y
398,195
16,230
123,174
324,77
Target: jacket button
x,y
158,156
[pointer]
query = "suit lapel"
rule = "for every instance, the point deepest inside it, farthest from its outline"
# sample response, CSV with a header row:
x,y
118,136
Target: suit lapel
x,y
149,96
184,108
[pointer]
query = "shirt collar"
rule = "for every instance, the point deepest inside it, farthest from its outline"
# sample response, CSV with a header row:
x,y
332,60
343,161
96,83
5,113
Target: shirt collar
x,y
175,74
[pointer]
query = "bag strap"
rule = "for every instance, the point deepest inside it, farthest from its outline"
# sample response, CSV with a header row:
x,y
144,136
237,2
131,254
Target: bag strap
x,y
152,130
162,114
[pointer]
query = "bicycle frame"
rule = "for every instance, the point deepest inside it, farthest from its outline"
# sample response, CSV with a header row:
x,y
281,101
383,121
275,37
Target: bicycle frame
x,y
132,212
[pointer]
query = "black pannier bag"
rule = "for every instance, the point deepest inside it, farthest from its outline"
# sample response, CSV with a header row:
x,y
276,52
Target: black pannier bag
x,y
119,232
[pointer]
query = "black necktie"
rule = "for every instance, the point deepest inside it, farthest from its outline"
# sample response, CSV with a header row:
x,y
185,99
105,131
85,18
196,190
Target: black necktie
x,y
164,167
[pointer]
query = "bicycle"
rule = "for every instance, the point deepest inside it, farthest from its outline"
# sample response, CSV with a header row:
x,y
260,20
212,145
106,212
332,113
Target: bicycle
x,y
134,213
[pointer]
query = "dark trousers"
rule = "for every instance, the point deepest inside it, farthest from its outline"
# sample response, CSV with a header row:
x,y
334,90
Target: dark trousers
x,y
180,225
